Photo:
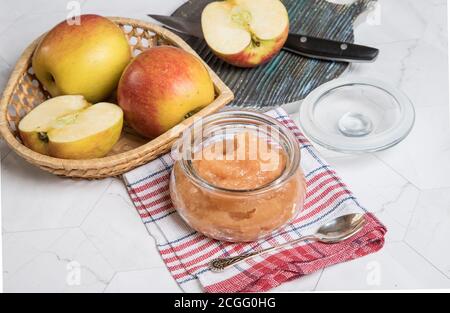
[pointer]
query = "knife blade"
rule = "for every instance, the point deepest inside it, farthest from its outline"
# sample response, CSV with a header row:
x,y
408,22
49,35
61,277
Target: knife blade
x,y
309,46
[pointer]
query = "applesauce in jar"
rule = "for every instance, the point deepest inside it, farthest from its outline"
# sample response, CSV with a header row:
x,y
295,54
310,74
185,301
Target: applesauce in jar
x,y
237,176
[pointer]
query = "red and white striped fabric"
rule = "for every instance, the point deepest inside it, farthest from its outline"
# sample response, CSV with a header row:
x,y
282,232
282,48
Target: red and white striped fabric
x,y
187,253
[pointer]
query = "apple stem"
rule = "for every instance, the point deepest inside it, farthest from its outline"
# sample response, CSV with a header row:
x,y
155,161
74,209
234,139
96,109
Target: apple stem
x,y
255,41
43,136
52,78
189,114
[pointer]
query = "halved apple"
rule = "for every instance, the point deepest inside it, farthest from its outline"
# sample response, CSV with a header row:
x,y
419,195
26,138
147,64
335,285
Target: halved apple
x,y
69,127
245,33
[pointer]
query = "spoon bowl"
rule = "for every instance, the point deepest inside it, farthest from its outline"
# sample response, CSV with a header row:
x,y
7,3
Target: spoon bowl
x,y
340,228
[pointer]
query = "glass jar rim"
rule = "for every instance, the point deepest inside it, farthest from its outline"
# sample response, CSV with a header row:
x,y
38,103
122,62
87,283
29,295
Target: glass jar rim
x,y
241,117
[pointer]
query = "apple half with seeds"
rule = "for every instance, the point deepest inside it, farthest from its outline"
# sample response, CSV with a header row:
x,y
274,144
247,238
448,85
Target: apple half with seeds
x,y
69,127
245,33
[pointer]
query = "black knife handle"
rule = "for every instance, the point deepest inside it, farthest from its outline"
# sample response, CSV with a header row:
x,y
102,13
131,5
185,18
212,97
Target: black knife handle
x,y
329,49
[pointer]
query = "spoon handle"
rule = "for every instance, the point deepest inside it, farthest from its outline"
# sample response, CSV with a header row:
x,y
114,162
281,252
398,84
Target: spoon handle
x,y
220,264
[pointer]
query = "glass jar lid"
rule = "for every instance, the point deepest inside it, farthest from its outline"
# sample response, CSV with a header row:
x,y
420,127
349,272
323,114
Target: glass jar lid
x,y
355,115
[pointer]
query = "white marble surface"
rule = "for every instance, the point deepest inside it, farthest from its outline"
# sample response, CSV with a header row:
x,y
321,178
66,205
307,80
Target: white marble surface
x,y
73,236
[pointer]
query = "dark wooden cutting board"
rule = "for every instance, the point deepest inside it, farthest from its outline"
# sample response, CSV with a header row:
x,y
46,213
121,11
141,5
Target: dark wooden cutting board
x,y
287,77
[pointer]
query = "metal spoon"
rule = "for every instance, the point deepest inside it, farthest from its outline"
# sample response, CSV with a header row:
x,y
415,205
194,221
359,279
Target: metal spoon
x,y
339,229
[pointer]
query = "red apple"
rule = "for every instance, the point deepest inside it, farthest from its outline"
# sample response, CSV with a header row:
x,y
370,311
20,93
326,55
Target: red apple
x,y
245,33
161,87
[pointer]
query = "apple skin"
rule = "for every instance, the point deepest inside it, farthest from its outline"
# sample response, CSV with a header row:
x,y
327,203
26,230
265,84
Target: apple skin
x,y
32,141
160,87
44,136
95,146
86,59
253,56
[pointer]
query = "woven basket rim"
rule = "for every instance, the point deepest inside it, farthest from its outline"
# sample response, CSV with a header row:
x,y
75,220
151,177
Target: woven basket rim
x,y
225,95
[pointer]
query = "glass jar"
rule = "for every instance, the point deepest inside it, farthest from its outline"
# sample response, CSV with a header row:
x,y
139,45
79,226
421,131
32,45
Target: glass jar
x,y
237,176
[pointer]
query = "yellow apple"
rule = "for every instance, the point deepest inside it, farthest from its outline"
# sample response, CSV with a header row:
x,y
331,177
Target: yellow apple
x,y
69,127
245,33
86,59
161,87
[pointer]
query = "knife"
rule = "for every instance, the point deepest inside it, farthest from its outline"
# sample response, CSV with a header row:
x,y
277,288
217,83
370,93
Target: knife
x,y
312,47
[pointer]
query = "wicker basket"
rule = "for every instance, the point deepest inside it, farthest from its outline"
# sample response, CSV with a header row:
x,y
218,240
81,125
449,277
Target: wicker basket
x,y
23,92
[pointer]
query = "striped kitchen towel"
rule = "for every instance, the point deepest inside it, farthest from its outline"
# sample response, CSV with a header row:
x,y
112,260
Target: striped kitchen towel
x,y
187,252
